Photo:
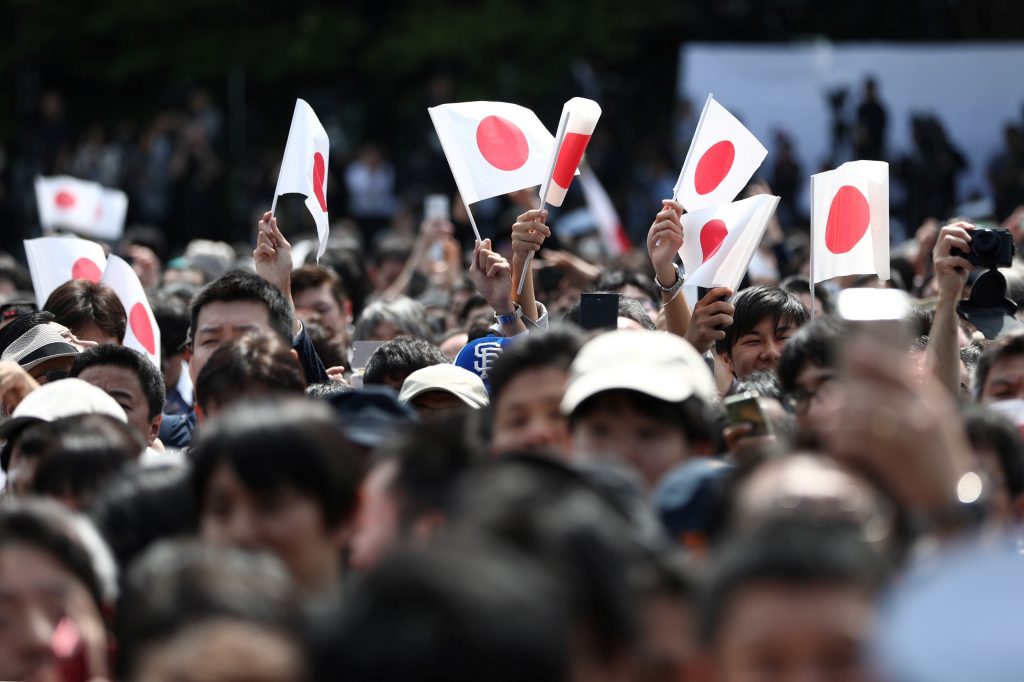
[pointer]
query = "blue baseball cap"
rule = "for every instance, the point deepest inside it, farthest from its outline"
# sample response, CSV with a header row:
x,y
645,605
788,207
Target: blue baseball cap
x,y
479,355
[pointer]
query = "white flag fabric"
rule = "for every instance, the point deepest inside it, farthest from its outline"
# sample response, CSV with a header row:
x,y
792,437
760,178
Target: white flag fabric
x,y
142,333
603,212
304,167
67,202
722,158
850,221
579,118
719,242
110,216
492,148
55,260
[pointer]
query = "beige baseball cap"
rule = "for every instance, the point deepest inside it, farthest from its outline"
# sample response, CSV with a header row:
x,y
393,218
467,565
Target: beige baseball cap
x,y
657,364
463,384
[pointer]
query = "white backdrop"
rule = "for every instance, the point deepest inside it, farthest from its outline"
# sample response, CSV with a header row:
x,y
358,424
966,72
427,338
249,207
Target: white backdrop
x,y
974,89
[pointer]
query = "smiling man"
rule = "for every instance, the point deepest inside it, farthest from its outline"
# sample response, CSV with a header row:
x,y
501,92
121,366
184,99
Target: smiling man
x,y
764,320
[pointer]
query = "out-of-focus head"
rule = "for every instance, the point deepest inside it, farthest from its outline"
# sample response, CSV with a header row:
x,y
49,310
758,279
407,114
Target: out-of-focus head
x,y
1000,371
43,350
53,584
92,311
808,370
129,378
196,612
998,444
764,320
247,367
386,320
396,359
320,295
234,305
278,476
441,388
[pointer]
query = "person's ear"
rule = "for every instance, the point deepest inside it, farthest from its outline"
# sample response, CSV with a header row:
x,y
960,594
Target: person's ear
x,y
154,428
295,355
727,361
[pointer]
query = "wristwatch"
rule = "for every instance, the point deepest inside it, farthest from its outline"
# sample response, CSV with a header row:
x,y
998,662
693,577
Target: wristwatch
x,y
676,286
510,318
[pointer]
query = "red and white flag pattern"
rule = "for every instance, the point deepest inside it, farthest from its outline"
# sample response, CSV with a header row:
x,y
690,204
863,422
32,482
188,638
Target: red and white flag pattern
x,y
67,202
603,212
493,148
575,128
304,168
719,242
143,333
55,260
850,221
110,216
722,158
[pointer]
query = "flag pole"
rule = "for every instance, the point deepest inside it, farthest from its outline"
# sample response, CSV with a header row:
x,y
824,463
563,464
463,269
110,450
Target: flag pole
x,y
273,206
526,263
811,264
472,221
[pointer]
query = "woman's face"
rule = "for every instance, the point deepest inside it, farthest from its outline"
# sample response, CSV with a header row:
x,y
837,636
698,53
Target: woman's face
x,y
285,522
37,594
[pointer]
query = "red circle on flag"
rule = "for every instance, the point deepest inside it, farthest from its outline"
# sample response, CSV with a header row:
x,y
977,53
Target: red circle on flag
x,y
84,268
713,166
502,143
320,179
138,319
711,237
64,199
848,220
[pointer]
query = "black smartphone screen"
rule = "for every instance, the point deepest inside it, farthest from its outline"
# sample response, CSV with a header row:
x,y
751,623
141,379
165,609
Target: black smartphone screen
x,y
599,311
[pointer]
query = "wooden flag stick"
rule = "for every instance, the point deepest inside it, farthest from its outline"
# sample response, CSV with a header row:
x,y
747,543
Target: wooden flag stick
x,y
472,222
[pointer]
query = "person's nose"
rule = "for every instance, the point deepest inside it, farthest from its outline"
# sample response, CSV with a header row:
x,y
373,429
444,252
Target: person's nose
x,y
242,530
772,351
542,432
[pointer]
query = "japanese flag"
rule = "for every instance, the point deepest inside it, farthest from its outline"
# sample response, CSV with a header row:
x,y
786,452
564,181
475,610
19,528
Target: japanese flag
x,y
492,147
55,260
304,167
579,118
722,158
719,242
142,334
67,202
110,215
850,221
603,212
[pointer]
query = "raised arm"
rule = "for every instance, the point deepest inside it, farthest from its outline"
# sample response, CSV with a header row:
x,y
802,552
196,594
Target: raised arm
x,y
951,273
664,240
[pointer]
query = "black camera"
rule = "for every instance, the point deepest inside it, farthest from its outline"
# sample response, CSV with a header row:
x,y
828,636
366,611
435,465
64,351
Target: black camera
x,y
990,248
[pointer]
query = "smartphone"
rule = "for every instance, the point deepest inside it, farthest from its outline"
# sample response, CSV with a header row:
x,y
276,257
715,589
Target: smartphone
x,y
704,291
361,352
599,311
437,207
745,408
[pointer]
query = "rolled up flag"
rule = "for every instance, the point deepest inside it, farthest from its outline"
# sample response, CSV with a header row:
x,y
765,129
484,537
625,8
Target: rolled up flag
x,y
579,118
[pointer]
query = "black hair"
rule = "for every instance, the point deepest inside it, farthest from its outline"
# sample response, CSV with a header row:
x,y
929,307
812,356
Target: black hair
x,y
79,302
393,361
543,508
82,453
555,348
757,303
329,349
987,428
474,301
315,276
1010,345
619,279
818,343
430,457
798,284
247,363
327,390
107,355
172,317
177,585
789,551
629,308
48,527
689,416
239,285
142,506
765,382
270,445
457,611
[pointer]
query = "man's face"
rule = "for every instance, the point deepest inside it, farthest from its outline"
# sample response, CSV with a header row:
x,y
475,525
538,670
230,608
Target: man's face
x,y
1005,381
759,348
219,322
286,522
782,633
528,416
36,594
319,303
434,402
123,385
615,428
378,522
814,395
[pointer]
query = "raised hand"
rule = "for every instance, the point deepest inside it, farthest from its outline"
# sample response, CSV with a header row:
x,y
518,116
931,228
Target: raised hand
x,y
709,314
664,240
273,255
529,232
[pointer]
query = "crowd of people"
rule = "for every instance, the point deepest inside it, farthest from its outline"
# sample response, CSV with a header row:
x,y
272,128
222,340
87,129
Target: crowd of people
x,y
390,464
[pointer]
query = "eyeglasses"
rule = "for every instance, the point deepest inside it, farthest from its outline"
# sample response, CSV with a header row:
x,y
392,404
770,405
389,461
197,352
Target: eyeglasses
x,y
799,400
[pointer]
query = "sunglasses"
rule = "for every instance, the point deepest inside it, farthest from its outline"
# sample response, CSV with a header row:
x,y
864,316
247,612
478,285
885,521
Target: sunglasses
x,y
12,310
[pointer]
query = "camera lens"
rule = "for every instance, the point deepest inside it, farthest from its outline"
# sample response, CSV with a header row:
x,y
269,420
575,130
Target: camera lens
x,y
985,244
